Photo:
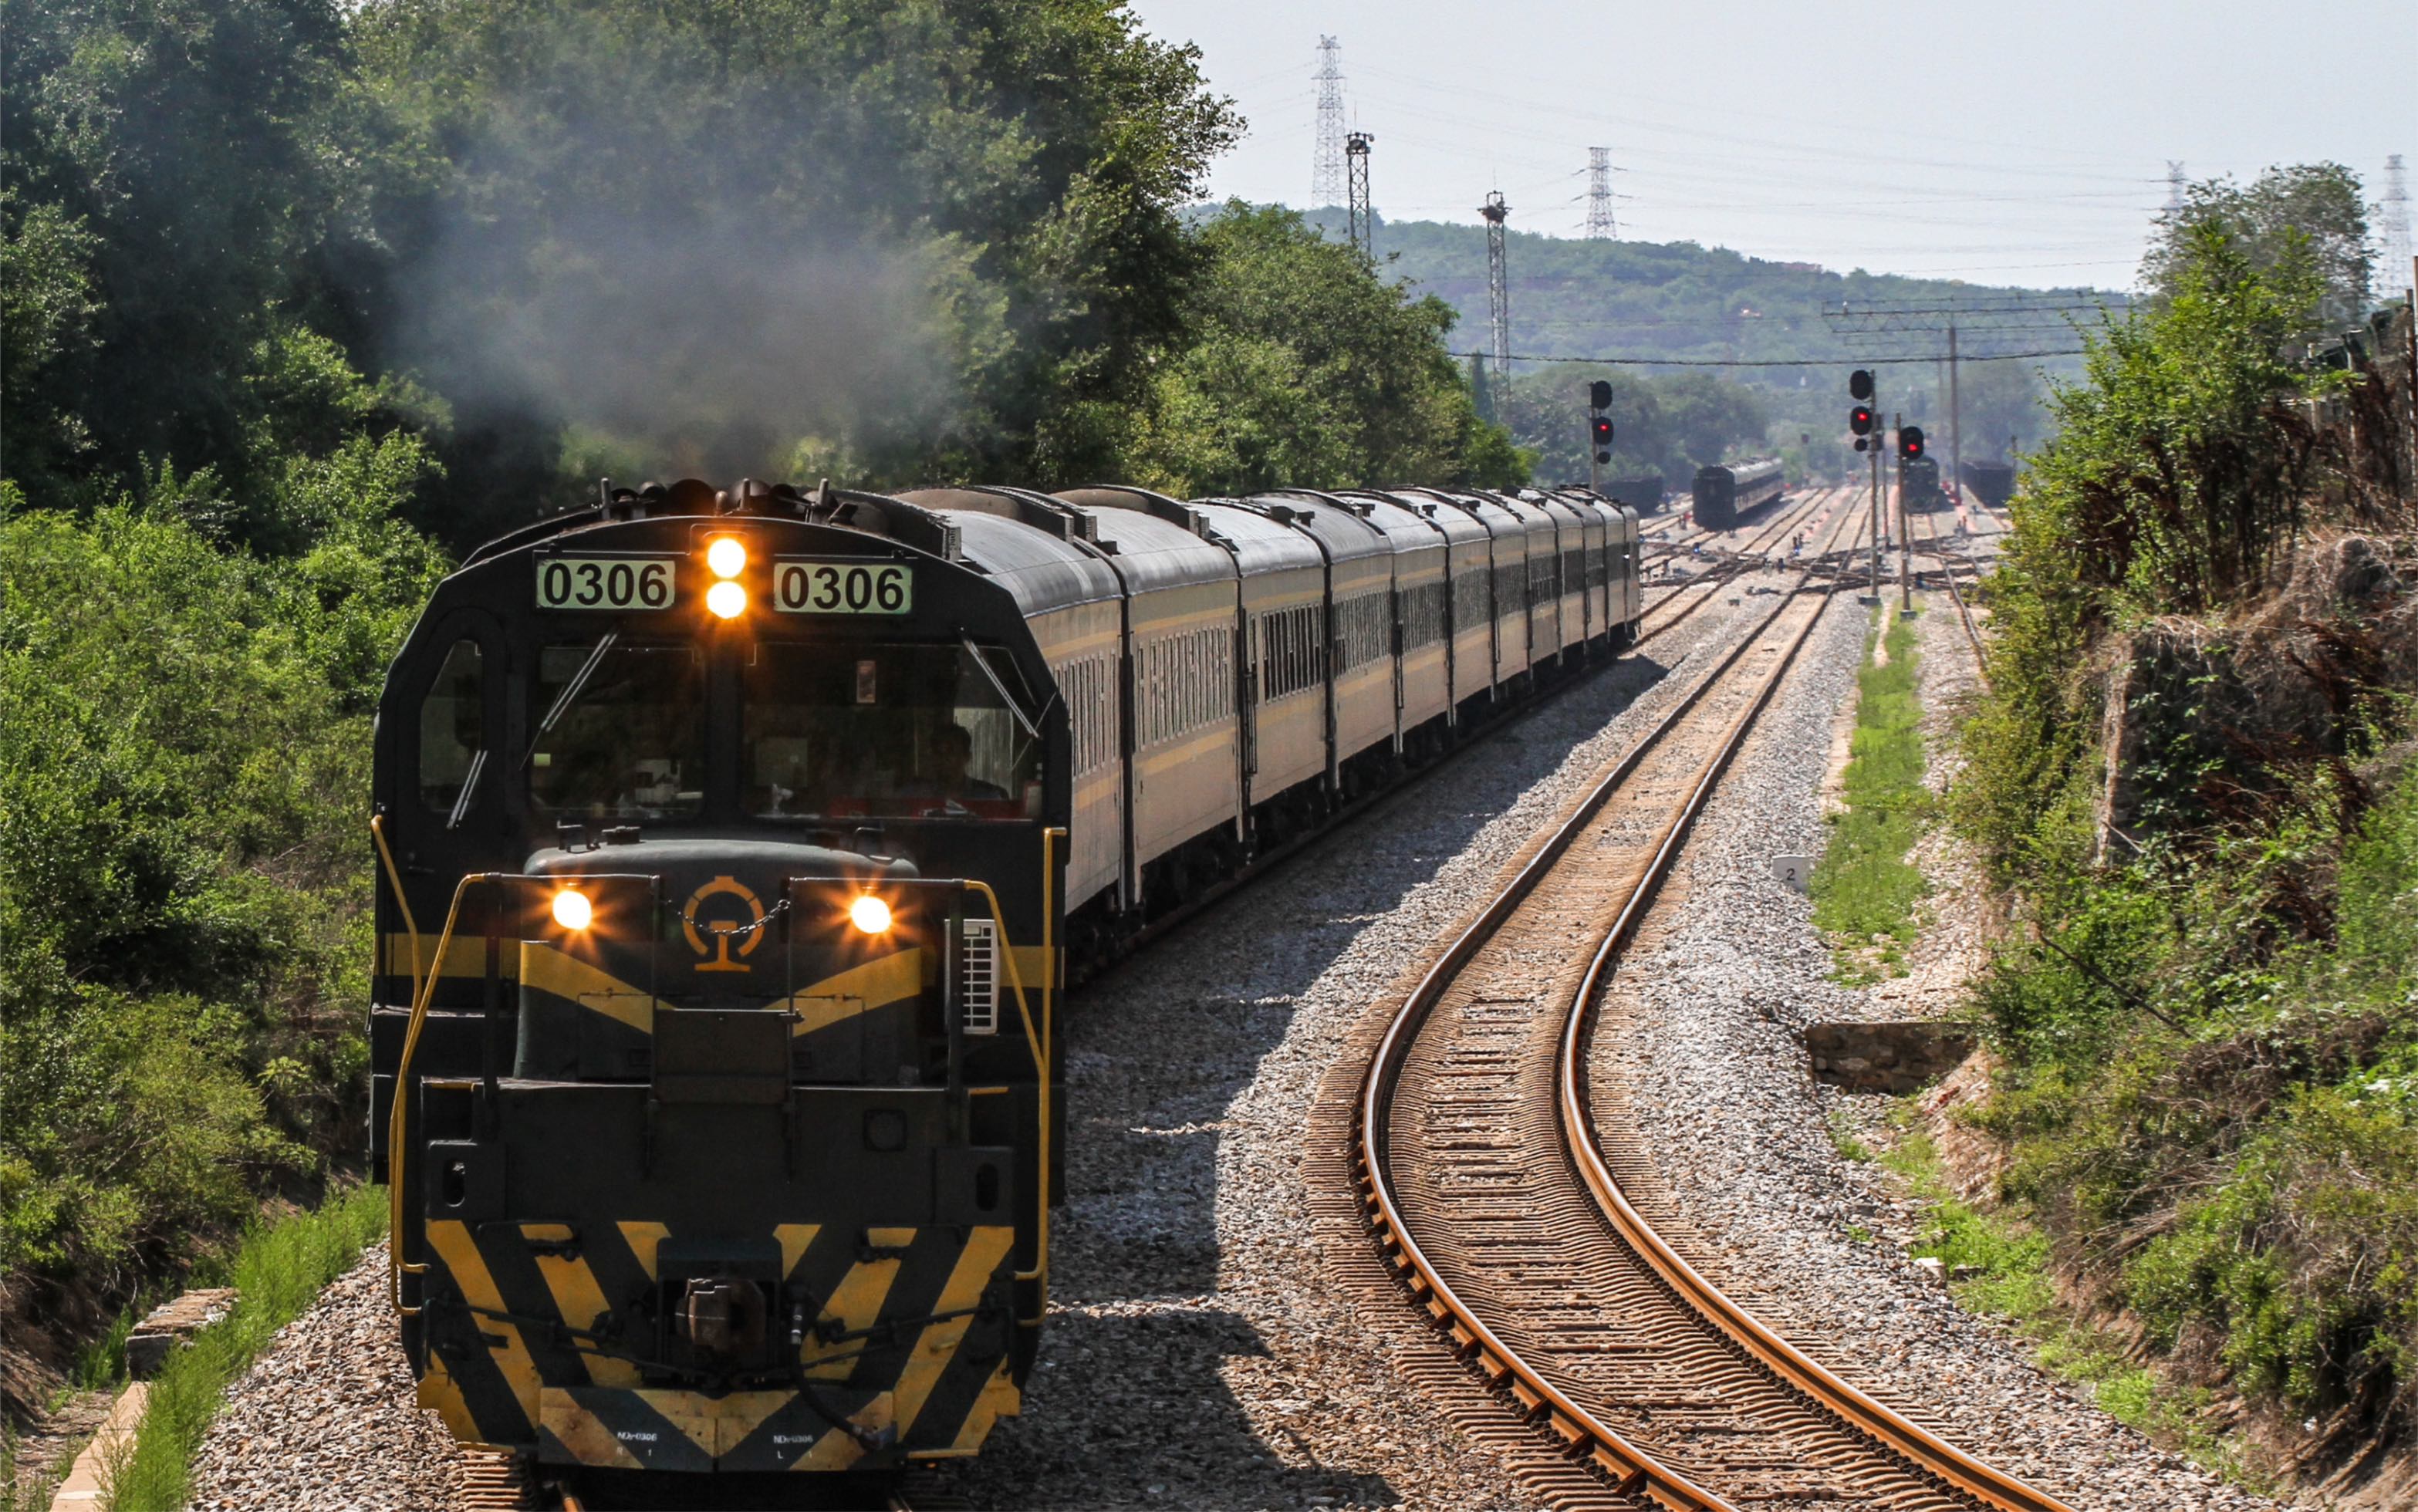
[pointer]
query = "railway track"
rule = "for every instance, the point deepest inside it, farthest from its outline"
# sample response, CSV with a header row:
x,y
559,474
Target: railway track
x,y
1696,592
1948,562
1498,1203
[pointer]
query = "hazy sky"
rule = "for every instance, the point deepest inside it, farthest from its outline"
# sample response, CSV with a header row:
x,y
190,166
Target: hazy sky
x,y
2008,142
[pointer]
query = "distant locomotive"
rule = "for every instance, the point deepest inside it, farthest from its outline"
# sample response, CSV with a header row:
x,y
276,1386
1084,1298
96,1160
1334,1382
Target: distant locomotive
x,y
1726,492
733,846
1921,484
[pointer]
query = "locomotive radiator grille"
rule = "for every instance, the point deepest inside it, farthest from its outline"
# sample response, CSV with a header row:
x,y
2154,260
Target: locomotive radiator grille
x,y
978,976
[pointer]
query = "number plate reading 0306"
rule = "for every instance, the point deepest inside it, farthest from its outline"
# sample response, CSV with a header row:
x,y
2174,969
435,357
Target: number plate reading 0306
x,y
605,582
801,586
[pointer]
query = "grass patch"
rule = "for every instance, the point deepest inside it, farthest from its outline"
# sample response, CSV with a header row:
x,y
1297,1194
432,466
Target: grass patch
x,y
279,1269
1844,1139
1864,892
1999,1266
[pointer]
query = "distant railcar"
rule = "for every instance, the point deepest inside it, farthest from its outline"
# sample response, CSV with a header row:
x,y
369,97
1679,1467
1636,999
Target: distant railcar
x,y
1725,492
1992,482
1642,492
734,847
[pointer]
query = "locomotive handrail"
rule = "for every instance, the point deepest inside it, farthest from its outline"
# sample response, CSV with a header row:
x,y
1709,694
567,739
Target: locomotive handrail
x,y
1037,1040
394,879
397,1120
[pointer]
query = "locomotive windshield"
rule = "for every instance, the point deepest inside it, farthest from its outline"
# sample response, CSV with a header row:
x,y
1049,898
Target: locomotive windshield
x,y
840,731
619,732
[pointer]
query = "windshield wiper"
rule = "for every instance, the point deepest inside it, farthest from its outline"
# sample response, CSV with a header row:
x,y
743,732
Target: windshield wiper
x,y
998,687
569,694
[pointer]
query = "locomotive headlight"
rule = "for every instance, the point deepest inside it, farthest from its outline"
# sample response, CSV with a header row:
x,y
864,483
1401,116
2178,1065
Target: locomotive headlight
x,y
869,914
728,601
726,557
572,909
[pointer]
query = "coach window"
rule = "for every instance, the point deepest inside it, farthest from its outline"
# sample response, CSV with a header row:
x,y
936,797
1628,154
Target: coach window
x,y
452,739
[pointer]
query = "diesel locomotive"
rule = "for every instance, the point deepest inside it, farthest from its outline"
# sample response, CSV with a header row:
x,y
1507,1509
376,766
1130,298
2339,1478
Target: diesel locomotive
x,y
733,846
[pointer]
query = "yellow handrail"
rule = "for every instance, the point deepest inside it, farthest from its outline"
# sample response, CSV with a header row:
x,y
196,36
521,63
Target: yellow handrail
x,y
395,1114
1038,1040
394,879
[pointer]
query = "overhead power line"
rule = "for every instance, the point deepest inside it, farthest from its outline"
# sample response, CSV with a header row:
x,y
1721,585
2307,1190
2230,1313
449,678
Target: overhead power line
x,y
1773,362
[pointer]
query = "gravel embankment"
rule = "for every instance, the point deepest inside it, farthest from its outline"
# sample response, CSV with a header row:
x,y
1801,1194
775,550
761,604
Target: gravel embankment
x,y
1199,1353
325,1417
1701,1031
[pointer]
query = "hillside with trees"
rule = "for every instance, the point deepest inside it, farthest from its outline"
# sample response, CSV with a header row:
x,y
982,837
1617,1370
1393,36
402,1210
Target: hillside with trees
x,y
1680,302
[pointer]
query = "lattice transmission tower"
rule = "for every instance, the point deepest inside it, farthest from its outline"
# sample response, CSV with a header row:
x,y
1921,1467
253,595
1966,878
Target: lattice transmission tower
x,y
1599,226
2393,225
1326,180
1498,287
1363,220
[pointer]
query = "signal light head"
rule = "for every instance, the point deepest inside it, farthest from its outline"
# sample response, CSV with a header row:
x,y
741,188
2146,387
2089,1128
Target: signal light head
x,y
1859,419
1599,394
727,599
1860,384
727,556
1602,426
870,915
572,910
1909,442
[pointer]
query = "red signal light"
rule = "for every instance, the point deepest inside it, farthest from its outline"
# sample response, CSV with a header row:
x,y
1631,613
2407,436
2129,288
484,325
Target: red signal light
x,y
1909,442
1859,419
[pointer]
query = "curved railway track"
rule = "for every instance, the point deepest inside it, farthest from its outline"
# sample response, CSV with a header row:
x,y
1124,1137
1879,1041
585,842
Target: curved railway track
x,y
1484,1179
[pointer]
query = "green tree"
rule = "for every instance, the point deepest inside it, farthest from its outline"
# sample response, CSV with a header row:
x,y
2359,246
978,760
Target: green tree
x,y
2307,221
924,239
1670,425
1302,367
178,172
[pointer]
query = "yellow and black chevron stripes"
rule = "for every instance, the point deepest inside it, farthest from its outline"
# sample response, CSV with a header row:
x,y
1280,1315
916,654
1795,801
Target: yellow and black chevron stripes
x,y
541,1332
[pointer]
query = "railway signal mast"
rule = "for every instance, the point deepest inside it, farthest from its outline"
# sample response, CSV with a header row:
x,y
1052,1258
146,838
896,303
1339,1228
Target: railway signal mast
x,y
1859,419
1909,447
1599,433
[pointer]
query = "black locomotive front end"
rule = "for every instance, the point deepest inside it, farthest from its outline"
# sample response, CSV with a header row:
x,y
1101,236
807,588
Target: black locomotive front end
x,y
721,838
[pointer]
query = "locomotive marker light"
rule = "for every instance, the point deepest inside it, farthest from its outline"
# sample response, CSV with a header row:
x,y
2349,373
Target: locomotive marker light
x,y
572,910
728,599
869,914
727,556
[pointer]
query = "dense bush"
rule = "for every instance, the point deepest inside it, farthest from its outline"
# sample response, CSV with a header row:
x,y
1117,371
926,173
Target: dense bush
x,y
2210,1012
183,738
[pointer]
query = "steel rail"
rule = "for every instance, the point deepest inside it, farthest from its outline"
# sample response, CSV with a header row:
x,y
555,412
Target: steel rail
x,y
1634,1472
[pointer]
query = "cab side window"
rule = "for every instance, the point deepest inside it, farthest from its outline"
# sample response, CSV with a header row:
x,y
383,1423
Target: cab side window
x,y
452,734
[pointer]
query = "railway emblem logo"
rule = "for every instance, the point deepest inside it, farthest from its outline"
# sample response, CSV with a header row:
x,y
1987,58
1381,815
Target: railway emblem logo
x,y
701,921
